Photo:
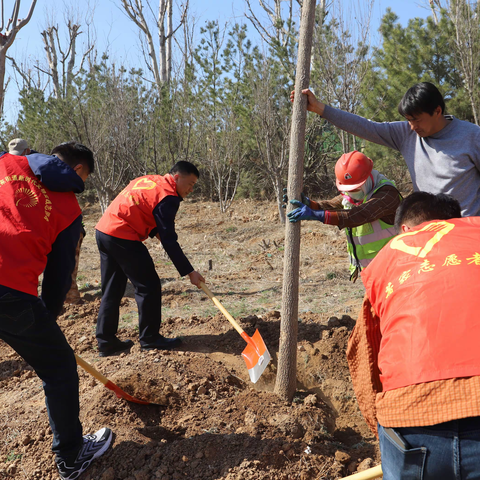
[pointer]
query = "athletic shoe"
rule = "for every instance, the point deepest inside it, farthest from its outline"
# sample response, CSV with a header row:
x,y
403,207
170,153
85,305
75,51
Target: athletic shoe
x,y
115,347
161,343
94,446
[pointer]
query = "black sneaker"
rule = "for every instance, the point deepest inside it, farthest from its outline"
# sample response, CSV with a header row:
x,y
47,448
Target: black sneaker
x,y
162,343
115,347
94,446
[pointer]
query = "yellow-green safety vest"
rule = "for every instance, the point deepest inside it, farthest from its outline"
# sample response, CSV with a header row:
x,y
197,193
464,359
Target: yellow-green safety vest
x,y
365,241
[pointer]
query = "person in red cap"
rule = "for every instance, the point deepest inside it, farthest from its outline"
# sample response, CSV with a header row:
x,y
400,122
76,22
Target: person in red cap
x,y
365,208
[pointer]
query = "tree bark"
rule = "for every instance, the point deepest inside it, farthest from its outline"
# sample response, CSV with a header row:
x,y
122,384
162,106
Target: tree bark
x,y
51,51
286,382
169,40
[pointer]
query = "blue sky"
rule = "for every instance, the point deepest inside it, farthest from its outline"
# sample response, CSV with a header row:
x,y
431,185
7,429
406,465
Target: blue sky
x,y
115,30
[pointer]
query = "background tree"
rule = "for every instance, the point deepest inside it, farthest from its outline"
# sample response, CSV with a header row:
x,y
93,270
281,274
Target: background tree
x,y
222,65
464,16
340,65
62,58
160,65
13,26
226,105
278,30
270,115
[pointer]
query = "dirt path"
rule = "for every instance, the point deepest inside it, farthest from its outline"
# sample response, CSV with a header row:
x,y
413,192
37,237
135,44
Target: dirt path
x,y
211,422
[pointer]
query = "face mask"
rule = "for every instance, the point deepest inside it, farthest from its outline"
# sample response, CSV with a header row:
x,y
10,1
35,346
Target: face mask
x,y
364,189
360,195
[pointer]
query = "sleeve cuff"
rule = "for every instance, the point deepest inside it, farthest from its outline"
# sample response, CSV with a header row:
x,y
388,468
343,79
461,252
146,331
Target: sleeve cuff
x,y
327,218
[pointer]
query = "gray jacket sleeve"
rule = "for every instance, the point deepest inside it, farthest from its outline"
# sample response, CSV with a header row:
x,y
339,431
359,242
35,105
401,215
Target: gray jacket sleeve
x,y
389,134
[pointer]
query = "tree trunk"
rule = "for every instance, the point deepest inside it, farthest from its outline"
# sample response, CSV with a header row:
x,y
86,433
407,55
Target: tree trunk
x,y
7,39
286,382
162,40
105,196
279,194
49,41
169,40
74,31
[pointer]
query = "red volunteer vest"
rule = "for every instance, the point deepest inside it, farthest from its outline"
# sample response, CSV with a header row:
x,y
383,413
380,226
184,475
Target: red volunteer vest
x,y
423,285
130,215
31,217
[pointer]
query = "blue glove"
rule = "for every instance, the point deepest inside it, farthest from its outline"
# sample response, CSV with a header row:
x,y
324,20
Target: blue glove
x,y
304,213
305,199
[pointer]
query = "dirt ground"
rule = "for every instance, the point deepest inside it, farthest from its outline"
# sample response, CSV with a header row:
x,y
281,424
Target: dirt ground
x,y
209,421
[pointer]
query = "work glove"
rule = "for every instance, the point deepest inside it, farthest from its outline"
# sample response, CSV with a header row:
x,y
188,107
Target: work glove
x,y
305,199
304,213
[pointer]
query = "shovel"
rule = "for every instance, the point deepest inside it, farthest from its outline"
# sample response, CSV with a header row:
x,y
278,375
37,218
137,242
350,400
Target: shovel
x,y
110,385
374,472
256,355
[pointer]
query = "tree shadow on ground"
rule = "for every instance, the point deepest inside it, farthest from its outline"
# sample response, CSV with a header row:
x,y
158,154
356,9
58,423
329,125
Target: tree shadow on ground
x,y
231,341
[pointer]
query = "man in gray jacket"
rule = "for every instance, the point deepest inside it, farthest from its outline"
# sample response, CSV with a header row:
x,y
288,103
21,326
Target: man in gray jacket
x,y
442,153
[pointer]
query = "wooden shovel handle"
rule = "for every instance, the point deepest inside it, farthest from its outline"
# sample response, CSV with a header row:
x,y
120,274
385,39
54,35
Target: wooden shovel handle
x,y
86,366
214,299
374,472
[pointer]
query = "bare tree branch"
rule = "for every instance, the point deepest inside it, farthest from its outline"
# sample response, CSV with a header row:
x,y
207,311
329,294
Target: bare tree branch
x,y
7,39
161,65
26,78
464,16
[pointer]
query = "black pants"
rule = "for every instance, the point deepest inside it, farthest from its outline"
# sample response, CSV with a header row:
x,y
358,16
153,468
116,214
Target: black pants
x,y
121,259
33,333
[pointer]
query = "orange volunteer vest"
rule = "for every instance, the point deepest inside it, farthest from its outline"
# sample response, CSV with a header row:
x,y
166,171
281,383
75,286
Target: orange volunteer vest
x,y
31,217
130,215
423,285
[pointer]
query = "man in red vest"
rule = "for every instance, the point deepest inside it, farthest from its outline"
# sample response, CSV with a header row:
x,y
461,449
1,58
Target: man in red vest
x,y
40,223
413,355
147,206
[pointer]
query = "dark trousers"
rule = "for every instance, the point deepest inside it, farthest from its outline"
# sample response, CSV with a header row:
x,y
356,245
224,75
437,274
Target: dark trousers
x,y
33,333
121,260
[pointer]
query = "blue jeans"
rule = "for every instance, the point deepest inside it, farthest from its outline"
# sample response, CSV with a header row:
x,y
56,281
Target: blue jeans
x,y
28,327
446,451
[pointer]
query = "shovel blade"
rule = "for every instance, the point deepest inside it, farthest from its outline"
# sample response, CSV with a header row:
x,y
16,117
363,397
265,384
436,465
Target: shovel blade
x,y
256,356
121,394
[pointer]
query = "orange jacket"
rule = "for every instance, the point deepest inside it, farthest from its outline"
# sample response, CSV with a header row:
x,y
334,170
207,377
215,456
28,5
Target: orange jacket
x,y
130,215
423,286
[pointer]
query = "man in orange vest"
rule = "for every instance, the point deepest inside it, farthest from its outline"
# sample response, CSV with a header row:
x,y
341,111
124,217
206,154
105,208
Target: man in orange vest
x,y
147,206
413,355
40,222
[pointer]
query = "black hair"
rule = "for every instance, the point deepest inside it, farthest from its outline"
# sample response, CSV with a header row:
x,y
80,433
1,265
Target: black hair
x,y
423,97
422,207
73,153
185,168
